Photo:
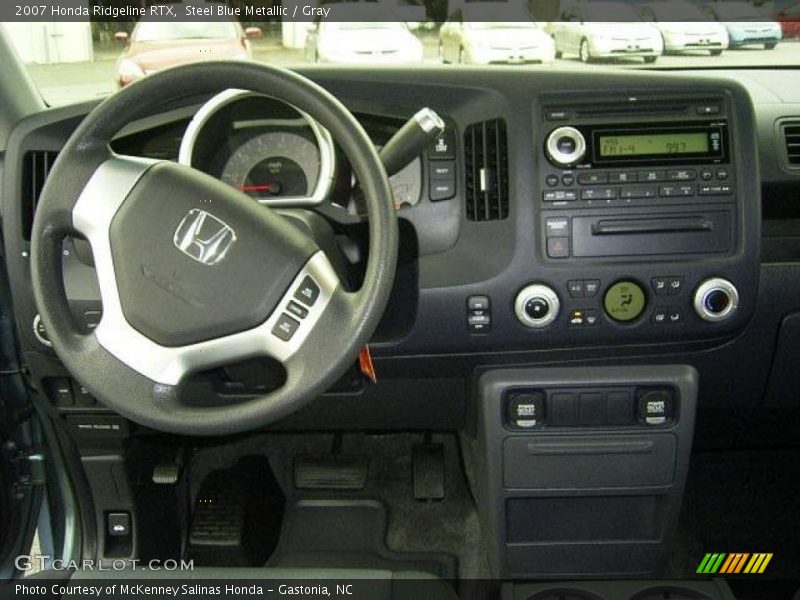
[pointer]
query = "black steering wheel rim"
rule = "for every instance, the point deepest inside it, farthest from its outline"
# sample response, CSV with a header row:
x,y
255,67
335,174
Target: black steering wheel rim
x,y
332,345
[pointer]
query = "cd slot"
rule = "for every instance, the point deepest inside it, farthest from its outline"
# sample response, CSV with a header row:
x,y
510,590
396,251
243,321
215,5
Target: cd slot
x,y
709,232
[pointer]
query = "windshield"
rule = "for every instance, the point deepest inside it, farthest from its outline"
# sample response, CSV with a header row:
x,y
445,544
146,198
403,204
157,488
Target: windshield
x,y
609,11
677,11
163,32
737,11
72,60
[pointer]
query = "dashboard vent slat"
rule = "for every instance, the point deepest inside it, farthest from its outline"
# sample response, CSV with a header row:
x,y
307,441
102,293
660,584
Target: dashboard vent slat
x,y
791,138
36,167
486,167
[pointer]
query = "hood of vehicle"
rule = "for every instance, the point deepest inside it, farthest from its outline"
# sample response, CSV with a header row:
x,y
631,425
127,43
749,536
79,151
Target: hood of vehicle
x,y
154,56
631,31
512,37
752,26
369,41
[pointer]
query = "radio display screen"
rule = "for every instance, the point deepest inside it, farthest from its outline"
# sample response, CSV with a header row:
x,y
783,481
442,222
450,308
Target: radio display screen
x,y
656,144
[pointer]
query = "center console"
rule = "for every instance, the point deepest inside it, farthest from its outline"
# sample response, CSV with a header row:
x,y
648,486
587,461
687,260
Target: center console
x,y
647,219
579,473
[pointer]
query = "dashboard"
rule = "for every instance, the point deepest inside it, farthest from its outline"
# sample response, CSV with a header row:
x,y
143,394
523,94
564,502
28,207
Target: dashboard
x,y
558,218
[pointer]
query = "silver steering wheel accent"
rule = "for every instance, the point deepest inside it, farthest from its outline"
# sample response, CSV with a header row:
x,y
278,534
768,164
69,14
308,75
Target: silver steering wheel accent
x,y
327,156
293,318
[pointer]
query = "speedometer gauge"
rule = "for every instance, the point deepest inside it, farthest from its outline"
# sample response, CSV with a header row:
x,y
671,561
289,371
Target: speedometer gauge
x,y
274,165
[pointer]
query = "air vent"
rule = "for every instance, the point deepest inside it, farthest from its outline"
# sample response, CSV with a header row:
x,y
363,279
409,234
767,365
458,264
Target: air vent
x,y
35,168
791,136
486,162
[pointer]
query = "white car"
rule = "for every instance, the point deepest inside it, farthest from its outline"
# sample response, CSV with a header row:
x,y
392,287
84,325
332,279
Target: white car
x,y
684,27
466,38
369,42
605,30
746,26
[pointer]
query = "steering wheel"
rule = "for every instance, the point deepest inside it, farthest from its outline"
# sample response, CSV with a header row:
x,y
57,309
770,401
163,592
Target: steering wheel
x,y
193,274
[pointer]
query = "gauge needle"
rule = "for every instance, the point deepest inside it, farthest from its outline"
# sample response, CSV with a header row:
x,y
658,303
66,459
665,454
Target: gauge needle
x,y
256,188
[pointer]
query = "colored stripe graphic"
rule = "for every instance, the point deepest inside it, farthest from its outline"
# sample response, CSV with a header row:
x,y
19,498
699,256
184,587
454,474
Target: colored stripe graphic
x,y
734,563
711,563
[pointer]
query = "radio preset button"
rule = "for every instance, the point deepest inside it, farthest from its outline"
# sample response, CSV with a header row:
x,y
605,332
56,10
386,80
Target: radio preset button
x,y
599,194
651,176
592,178
622,177
637,192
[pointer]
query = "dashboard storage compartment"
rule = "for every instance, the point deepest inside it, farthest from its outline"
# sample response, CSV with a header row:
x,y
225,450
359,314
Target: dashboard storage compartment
x,y
586,462
576,502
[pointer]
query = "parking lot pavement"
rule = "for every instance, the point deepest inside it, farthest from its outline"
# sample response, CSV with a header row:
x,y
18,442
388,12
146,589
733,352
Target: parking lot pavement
x,y
72,82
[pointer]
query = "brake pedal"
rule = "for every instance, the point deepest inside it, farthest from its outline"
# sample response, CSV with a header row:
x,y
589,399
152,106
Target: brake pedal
x,y
428,465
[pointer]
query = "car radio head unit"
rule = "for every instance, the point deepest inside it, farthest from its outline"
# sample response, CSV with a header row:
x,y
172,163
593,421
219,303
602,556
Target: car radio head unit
x,y
638,144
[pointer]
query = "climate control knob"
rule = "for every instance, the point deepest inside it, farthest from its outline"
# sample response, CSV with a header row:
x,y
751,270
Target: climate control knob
x,y
565,146
716,300
537,305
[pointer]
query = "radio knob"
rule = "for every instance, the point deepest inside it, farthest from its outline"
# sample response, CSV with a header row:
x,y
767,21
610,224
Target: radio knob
x,y
537,305
565,146
716,300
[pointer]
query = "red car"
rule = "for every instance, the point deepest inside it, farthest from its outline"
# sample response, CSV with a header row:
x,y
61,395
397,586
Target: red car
x,y
155,45
789,18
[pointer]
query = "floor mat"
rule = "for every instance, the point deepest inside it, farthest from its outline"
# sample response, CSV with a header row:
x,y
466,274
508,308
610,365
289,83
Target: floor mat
x,y
348,534
745,501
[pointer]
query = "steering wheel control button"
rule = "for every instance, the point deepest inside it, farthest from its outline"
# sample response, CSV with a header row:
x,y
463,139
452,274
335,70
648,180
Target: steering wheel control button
x,y
40,332
285,327
565,146
625,301
655,407
308,292
537,306
297,310
526,410
716,300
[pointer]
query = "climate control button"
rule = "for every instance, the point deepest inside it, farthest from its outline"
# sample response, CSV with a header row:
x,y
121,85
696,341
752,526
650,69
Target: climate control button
x,y
537,305
716,300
